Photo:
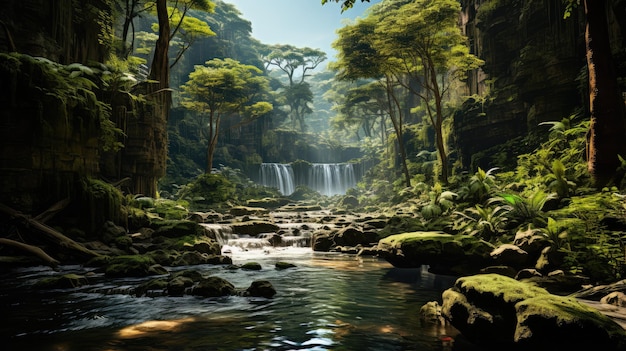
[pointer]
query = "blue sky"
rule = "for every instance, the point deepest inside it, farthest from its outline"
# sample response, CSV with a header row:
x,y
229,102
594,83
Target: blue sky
x,y
302,23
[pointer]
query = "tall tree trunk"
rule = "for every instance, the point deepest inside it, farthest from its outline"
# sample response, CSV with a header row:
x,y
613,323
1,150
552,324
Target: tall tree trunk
x,y
607,130
160,66
396,121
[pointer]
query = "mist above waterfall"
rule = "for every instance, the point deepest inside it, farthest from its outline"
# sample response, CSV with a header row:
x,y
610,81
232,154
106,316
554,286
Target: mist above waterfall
x,y
326,178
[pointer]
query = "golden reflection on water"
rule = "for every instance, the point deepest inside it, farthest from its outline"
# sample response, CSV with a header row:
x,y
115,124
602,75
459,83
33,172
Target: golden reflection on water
x,y
356,264
149,327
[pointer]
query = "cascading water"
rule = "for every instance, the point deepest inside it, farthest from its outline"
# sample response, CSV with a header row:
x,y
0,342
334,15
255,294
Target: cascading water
x,y
326,178
331,178
278,175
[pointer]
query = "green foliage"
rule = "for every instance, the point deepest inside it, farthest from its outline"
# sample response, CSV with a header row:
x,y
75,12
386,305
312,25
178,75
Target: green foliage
x,y
521,210
484,222
556,234
480,187
208,189
558,183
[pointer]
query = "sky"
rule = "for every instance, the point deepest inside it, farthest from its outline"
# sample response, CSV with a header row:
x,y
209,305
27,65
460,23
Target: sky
x,y
301,23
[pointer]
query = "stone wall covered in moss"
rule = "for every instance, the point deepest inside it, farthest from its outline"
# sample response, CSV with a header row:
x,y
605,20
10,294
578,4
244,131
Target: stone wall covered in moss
x,y
535,70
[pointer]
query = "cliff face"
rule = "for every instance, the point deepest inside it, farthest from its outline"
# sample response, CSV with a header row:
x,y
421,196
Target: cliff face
x,y
533,63
57,117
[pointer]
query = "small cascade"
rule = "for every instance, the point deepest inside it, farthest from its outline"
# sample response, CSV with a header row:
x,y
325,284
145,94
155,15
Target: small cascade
x,y
331,178
221,232
278,175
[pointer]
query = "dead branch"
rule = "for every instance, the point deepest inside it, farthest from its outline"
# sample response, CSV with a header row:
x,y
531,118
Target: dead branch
x,y
61,239
31,249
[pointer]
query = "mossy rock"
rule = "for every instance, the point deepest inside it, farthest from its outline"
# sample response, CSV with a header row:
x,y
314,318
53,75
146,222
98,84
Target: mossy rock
x,y
130,266
284,265
201,244
248,210
261,288
438,249
268,202
213,287
159,284
496,311
251,266
349,201
177,228
65,281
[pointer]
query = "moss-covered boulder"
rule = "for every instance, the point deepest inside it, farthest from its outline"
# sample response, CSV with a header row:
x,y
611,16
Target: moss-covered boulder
x,y
248,210
322,240
351,236
130,266
252,266
65,281
445,253
268,202
177,228
254,228
213,287
502,313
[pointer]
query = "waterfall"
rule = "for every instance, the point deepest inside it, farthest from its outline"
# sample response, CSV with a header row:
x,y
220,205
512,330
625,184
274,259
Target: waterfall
x,y
331,178
278,175
326,178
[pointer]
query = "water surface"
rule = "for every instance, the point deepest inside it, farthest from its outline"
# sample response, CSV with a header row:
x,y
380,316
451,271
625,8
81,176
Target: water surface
x,y
328,302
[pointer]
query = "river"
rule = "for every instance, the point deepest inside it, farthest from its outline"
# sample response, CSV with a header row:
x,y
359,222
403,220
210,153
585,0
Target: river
x,y
329,301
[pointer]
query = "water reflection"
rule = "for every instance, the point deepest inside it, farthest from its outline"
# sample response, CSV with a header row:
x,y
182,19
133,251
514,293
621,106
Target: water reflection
x,y
327,302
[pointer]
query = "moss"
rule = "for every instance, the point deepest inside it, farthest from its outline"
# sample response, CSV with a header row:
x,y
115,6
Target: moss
x,y
251,266
499,286
103,202
65,281
129,266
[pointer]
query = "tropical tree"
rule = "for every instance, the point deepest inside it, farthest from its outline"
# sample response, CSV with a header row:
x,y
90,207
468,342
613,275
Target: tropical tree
x,y
359,58
296,64
130,10
221,89
424,38
188,30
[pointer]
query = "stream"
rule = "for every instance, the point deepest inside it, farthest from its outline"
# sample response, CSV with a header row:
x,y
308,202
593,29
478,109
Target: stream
x,y
329,301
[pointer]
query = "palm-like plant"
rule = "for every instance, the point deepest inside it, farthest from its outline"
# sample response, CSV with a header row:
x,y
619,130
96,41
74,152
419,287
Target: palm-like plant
x,y
479,187
555,233
485,222
521,210
558,182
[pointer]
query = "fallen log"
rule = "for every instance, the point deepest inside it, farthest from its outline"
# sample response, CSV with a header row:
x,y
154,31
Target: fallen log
x,y
52,233
37,251
53,210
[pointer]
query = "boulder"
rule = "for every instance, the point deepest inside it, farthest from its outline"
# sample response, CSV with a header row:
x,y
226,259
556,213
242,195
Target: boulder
x,y
213,287
499,312
445,253
251,266
322,240
260,288
510,255
246,210
284,265
65,281
130,266
177,228
254,228
351,236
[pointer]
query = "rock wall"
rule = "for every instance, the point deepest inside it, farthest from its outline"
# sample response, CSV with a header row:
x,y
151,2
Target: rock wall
x,y
533,61
51,133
